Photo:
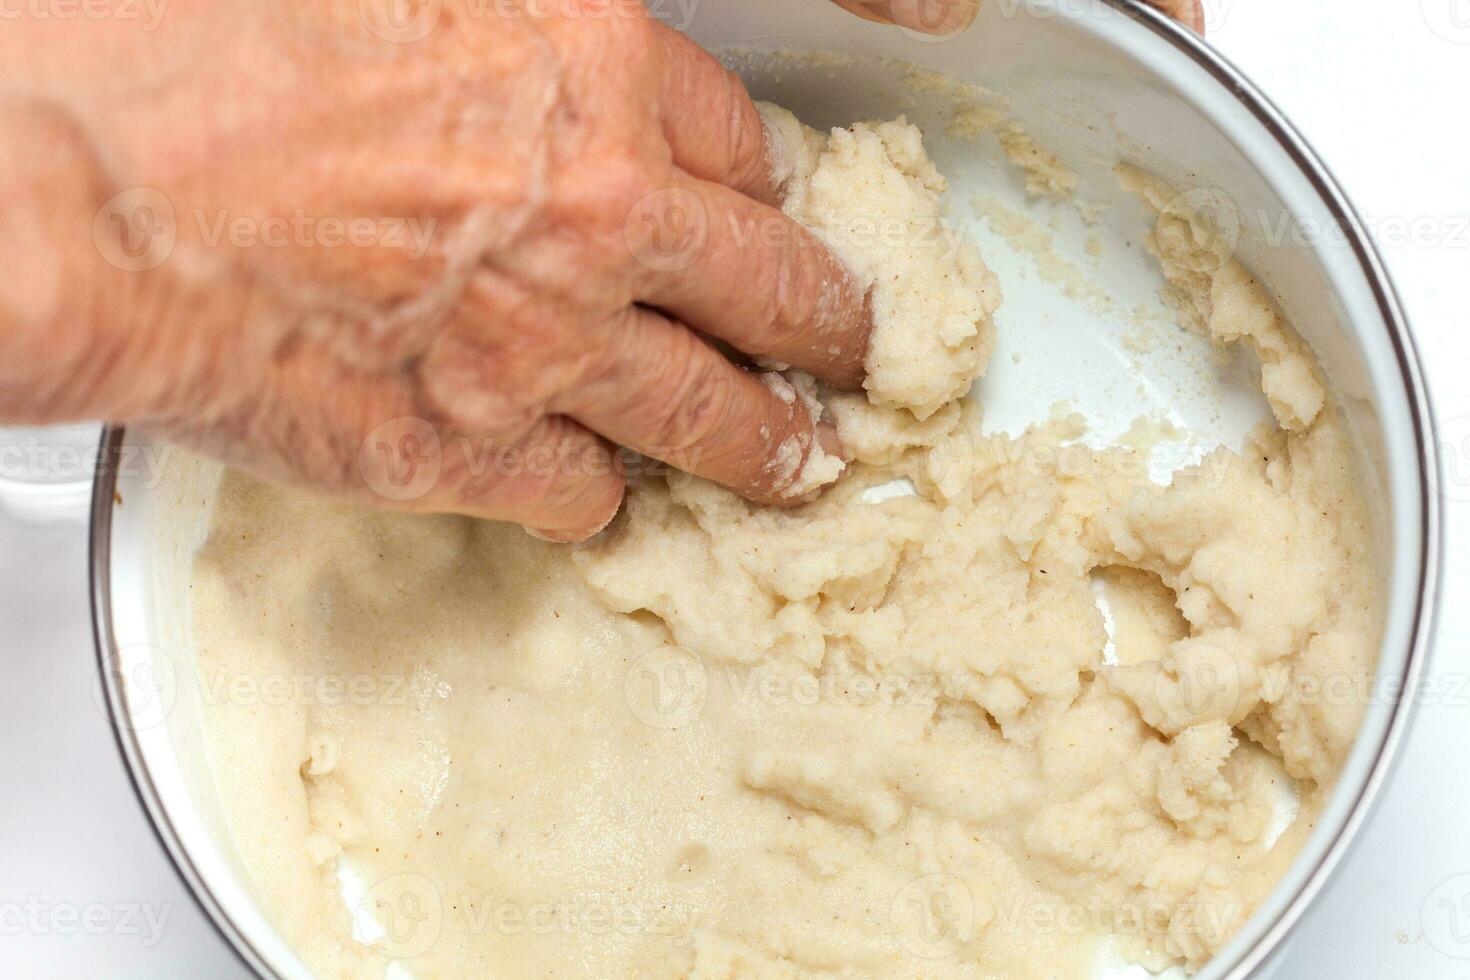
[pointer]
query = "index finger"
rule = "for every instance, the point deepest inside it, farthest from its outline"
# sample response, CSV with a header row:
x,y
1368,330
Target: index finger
x,y
658,388
710,122
733,268
718,254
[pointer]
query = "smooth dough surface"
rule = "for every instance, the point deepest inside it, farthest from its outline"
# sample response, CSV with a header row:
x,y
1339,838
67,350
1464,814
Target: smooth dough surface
x,y
877,736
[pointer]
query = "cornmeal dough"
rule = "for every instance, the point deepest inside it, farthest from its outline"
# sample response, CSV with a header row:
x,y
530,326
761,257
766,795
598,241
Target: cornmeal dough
x,y
884,735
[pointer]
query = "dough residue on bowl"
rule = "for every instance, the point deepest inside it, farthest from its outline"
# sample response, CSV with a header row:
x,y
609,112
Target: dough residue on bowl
x,y
888,734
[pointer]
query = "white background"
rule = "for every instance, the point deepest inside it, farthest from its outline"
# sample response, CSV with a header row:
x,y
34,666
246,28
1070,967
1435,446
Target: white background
x,y
1378,86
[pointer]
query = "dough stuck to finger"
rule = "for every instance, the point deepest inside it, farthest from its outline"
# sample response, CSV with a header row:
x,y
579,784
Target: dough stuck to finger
x,y
799,468
871,194
791,148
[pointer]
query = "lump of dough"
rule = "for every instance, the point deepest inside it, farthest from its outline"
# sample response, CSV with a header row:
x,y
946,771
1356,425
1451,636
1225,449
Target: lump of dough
x,y
1217,295
873,196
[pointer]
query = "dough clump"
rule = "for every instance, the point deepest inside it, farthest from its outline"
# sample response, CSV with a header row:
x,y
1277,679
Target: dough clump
x,y
887,734
873,196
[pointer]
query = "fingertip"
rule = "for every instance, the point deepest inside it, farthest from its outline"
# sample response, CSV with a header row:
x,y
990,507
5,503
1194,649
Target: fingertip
x,y
806,459
1190,13
942,18
560,482
568,537
830,442
583,516
862,10
1195,15
852,369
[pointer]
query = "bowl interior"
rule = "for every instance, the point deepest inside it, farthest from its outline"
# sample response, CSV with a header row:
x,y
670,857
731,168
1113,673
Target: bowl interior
x,y
1096,87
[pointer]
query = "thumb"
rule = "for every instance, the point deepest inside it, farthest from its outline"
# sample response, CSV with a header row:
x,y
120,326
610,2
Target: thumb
x,y
1190,13
929,16
953,16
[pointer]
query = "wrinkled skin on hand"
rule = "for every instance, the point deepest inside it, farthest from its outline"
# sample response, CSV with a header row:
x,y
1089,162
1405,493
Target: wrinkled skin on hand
x,y
548,202
445,269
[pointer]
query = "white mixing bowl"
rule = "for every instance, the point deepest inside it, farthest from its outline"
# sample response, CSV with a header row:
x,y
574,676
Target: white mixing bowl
x,y
1098,82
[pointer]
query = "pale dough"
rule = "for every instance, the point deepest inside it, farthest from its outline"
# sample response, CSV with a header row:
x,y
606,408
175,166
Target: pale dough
x,y
866,738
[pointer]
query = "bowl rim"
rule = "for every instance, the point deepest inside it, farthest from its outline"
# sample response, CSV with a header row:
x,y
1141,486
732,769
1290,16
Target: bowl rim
x,y
1421,415
99,563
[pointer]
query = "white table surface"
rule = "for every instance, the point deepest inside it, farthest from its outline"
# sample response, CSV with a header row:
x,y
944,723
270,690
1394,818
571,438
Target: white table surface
x,y
1378,87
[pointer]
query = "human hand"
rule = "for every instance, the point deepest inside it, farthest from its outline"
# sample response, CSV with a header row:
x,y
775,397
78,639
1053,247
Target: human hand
x,y
545,203
951,16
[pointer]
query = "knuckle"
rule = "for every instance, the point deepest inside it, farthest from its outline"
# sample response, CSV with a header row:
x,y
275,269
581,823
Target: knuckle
x,y
700,398
789,299
481,397
608,188
746,137
499,379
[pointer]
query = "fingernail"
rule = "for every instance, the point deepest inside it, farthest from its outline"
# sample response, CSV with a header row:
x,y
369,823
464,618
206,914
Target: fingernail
x,y
574,537
1194,13
553,537
862,9
941,18
828,439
